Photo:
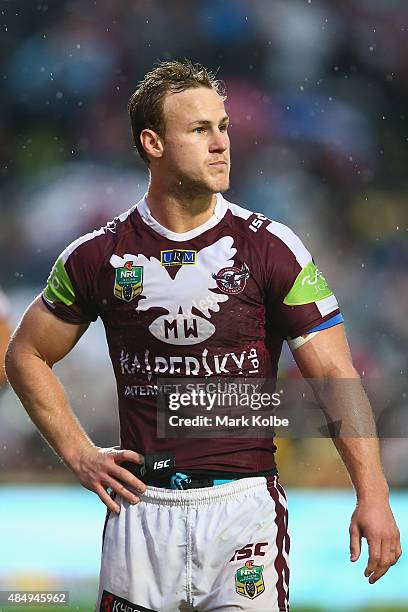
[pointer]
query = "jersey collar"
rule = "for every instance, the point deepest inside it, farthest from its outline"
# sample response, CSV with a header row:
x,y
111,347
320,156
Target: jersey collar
x,y
220,209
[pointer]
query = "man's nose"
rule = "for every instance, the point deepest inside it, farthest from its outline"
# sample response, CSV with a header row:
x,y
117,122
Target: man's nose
x,y
219,142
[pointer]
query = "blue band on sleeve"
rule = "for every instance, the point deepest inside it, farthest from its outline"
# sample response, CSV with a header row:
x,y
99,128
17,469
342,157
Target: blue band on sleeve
x,y
329,323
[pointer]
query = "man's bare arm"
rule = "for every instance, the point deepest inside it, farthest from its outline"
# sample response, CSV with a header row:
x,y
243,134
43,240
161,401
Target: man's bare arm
x,y
327,357
40,341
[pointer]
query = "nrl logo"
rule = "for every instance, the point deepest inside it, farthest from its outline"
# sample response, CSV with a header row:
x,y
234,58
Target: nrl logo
x,y
128,282
232,280
249,580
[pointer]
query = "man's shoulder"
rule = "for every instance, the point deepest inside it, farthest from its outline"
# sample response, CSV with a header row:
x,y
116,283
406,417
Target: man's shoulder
x,y
98,244
77,271
255,223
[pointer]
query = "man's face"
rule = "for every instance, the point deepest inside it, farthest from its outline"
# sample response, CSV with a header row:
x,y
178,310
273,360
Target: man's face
x,y
196,143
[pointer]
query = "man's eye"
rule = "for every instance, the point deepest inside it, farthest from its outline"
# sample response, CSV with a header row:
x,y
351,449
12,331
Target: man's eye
x,y
223,128
199,130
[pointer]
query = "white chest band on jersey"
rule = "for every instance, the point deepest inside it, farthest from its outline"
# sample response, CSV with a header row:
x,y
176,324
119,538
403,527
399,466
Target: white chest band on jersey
x,y
295,343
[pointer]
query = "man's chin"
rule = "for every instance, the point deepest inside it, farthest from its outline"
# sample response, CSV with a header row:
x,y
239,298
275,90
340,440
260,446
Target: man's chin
x,y
202,187
224,187
220,186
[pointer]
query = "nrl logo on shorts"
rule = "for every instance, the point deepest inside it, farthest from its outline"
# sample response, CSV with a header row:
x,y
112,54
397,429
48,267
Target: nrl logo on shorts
x,y
232,280
128,282
249,580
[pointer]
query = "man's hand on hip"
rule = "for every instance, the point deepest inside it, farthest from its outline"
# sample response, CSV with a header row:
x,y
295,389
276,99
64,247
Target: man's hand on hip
x,y
98,469
374,521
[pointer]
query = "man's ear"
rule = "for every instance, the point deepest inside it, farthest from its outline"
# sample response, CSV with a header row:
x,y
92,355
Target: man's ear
x,y
152,143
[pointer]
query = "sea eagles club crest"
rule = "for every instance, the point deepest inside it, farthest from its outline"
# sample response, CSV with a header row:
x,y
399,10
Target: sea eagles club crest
x,y
232,280
128,282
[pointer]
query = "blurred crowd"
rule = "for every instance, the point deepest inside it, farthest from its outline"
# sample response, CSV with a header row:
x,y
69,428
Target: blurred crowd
x,y
317,94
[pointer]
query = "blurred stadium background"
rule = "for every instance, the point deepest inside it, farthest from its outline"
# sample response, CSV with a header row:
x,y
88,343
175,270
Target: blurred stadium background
x,y
317,93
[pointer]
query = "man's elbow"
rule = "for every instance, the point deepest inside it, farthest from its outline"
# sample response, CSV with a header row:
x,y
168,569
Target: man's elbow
x,y
5,333
15,360
3,377
344,369
10,360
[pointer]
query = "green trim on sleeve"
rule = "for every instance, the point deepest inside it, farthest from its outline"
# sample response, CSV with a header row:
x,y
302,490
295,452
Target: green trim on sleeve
x,y
59,287
309,286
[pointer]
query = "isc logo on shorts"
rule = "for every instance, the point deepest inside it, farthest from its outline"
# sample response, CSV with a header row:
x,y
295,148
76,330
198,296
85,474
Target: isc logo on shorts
x,y
250,550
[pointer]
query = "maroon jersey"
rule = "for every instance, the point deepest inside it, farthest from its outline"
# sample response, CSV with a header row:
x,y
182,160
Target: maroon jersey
x,y
218,300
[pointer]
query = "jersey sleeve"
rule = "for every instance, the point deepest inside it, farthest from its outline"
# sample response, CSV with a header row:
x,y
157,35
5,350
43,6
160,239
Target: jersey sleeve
x,y
70,292
298,297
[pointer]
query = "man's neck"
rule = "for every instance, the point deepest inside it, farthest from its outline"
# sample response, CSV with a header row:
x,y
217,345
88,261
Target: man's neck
x,y
180,213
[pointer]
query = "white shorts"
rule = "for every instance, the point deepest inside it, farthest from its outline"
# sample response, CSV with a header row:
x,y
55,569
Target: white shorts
x,y
212,549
